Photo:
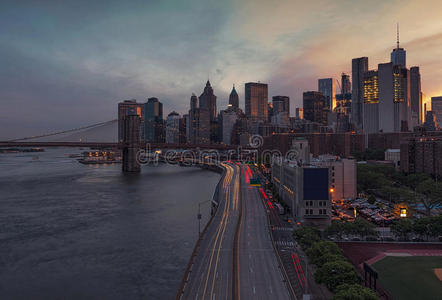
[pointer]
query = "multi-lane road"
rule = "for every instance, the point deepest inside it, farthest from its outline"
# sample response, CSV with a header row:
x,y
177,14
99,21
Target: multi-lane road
x,y
235,258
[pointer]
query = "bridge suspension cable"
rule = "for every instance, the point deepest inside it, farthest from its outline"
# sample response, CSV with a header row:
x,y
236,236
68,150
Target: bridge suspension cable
x,y
62,132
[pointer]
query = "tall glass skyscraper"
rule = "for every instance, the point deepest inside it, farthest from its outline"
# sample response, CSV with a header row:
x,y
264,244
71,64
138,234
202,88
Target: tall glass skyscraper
x,y
153,121
326,86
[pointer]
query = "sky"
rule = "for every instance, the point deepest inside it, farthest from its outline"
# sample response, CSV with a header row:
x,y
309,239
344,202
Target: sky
x,y
65,64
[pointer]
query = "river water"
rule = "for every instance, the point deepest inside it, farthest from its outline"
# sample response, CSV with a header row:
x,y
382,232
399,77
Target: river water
x,y
72,231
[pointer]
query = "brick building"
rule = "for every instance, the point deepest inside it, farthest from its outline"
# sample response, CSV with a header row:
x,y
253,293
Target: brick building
x,y
422,155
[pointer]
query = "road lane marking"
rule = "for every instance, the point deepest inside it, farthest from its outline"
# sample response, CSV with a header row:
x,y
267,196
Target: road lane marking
x,y
223,220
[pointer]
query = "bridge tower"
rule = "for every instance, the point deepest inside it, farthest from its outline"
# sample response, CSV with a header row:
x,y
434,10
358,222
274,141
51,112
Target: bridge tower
x,y
131,142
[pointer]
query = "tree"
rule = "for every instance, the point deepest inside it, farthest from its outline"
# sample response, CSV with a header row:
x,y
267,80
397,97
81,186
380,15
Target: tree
x,y
402,228
421,227
336,228
306,236
432,194
435,226
363,228
317,252
354,292
335,273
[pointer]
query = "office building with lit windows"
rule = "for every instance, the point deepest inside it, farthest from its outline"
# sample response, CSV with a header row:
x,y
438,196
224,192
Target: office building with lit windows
x,y
371,102
394,98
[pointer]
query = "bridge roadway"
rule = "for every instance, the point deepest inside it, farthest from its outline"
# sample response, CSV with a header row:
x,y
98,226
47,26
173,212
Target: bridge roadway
x,y
151,146
235,258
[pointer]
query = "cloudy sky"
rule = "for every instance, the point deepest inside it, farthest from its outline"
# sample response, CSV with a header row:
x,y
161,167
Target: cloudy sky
x,y
68,63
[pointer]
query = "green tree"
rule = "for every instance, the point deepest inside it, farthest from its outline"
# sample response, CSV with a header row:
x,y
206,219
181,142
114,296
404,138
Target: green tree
x,y
432,194
435,226
335,229
320,249
307,236
335,273
421,227
354,292
363,228
402,228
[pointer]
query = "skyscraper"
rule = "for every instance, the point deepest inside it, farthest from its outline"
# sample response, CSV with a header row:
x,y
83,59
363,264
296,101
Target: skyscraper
x,y
173,128
326,86
359,67
345,84
314,106
415,96
198,123
394,98
436,108
234,98
153,121
281,104
123,108
256,98
398,55
371,102
207,100
228,120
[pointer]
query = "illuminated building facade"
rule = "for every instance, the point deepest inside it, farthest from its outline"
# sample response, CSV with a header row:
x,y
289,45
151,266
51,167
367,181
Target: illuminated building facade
x,y
371,102
394,98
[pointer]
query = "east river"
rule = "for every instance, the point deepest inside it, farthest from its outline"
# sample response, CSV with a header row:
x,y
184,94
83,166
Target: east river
x,y
73,231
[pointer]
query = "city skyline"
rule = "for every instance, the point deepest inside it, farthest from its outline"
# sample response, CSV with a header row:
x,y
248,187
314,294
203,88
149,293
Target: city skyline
x,y
64,58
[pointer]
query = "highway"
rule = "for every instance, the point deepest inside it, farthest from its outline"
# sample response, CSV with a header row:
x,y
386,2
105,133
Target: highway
x,y
260,275
235,258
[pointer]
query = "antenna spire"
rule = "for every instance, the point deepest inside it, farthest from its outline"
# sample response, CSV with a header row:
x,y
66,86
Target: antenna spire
x,y
397,33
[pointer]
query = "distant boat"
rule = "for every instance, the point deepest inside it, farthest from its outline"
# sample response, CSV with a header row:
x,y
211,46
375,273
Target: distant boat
x,y
35,158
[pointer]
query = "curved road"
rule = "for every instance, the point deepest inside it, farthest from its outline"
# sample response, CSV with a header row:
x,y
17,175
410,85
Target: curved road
x,y
240,224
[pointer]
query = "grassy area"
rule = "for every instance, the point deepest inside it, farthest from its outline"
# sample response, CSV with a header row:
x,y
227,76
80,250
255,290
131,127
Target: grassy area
x,y
410,277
